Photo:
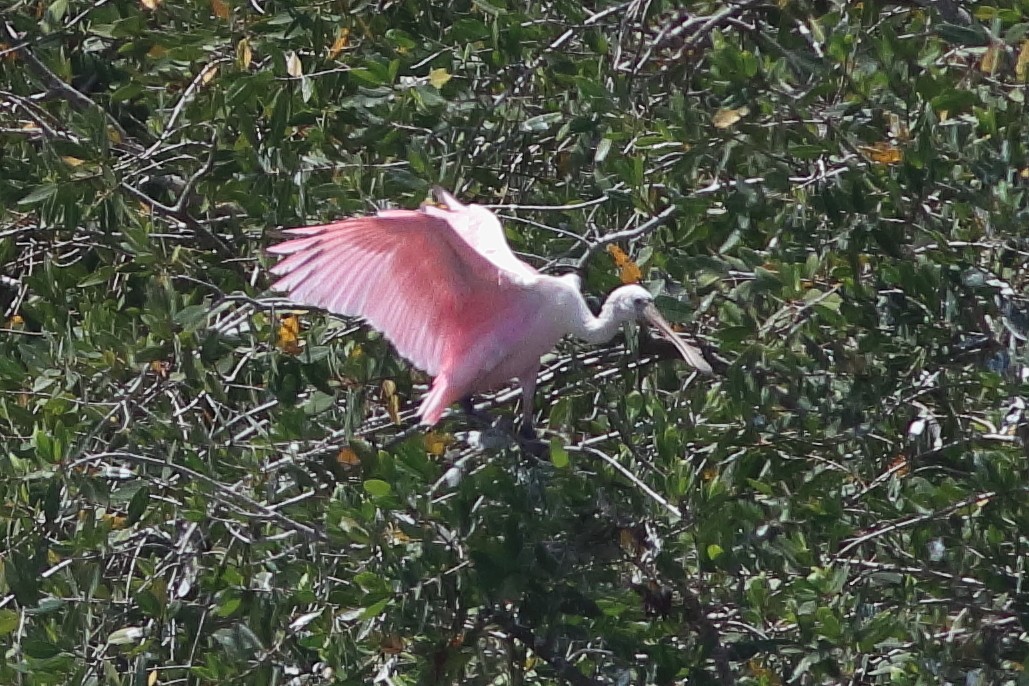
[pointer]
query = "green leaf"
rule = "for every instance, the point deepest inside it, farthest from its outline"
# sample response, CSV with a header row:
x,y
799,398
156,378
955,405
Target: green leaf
x,y
541,122
377,488
558,454
38,194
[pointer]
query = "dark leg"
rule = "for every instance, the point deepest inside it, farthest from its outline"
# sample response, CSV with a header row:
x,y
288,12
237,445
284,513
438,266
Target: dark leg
x,y
479,416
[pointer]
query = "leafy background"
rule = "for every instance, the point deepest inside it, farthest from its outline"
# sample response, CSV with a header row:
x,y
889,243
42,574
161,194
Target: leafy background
x,y
200,486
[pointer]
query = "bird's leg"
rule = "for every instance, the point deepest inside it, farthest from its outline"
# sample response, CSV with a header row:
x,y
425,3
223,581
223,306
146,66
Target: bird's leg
x,y
480,416
530,440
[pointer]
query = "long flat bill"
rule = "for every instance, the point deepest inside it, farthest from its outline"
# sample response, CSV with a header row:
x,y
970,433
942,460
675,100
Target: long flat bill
x,y
688,352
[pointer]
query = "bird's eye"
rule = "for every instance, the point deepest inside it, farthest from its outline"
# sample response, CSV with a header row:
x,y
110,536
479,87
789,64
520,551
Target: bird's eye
x,y
640,301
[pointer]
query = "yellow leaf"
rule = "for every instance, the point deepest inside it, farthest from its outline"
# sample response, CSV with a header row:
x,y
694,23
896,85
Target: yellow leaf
x,y
436,443
294,67
116,521
151,678
438,78
389,391
628,271
342,39
72,161
220,9
150,4
883,153
157,51
244,55
113,135
989,62
723,119
289,335
208,74
393,409
16,322
1022,65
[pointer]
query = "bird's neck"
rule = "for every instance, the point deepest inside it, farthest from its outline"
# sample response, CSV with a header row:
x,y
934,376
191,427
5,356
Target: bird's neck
x,y
592,329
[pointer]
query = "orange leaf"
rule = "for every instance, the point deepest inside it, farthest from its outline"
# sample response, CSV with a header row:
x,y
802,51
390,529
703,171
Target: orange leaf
x,y
289,335
342,39
628,271
220,9
883,153
348,458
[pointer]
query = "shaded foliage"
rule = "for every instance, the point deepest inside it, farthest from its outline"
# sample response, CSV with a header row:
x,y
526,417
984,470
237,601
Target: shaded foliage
x,y
198,487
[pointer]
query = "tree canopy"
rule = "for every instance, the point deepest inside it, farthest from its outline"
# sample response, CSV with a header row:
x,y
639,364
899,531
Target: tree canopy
x,y
202,483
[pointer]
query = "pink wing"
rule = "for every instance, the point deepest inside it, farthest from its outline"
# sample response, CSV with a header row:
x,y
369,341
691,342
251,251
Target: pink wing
x,y
411,275
480,229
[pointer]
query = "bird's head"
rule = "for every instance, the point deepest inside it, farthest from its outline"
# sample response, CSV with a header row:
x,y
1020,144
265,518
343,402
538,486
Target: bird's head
x,y
635,304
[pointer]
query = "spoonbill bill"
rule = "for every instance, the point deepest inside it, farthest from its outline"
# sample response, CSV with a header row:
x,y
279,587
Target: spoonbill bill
x,y
444,287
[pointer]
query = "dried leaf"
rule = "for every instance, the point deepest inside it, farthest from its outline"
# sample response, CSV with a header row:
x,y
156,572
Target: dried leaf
x,y
244,54
347,458
438,78
294,67
899,466
723,119
1022,65
628,271
341,42
289,335
72,161
391,644
389,392
220,9
207,76
989,61
883,153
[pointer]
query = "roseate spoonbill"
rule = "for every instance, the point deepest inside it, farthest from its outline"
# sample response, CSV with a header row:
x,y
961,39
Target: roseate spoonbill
x,y
444,287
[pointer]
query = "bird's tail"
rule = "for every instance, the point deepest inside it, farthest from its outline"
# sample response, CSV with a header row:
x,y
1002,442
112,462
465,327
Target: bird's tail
x,y
435,401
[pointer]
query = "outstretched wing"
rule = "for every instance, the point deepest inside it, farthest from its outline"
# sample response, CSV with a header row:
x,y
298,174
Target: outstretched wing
x,y
409,273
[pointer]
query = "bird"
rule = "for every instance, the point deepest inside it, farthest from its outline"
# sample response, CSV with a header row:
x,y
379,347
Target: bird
x,y
443,286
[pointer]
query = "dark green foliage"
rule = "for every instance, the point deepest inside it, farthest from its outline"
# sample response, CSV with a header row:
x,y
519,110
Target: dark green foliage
x,y
831,195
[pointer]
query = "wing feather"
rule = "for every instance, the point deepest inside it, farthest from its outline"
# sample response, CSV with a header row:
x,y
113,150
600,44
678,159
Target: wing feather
x,y
410,274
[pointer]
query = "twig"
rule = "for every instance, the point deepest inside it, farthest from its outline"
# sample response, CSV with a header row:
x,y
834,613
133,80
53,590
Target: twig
x,y
660,500
565,670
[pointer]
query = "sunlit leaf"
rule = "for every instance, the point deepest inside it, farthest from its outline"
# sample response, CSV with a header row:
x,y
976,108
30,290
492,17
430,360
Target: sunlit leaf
x,y
723,119
341,42
1022,65
244,54
293,65
439,78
